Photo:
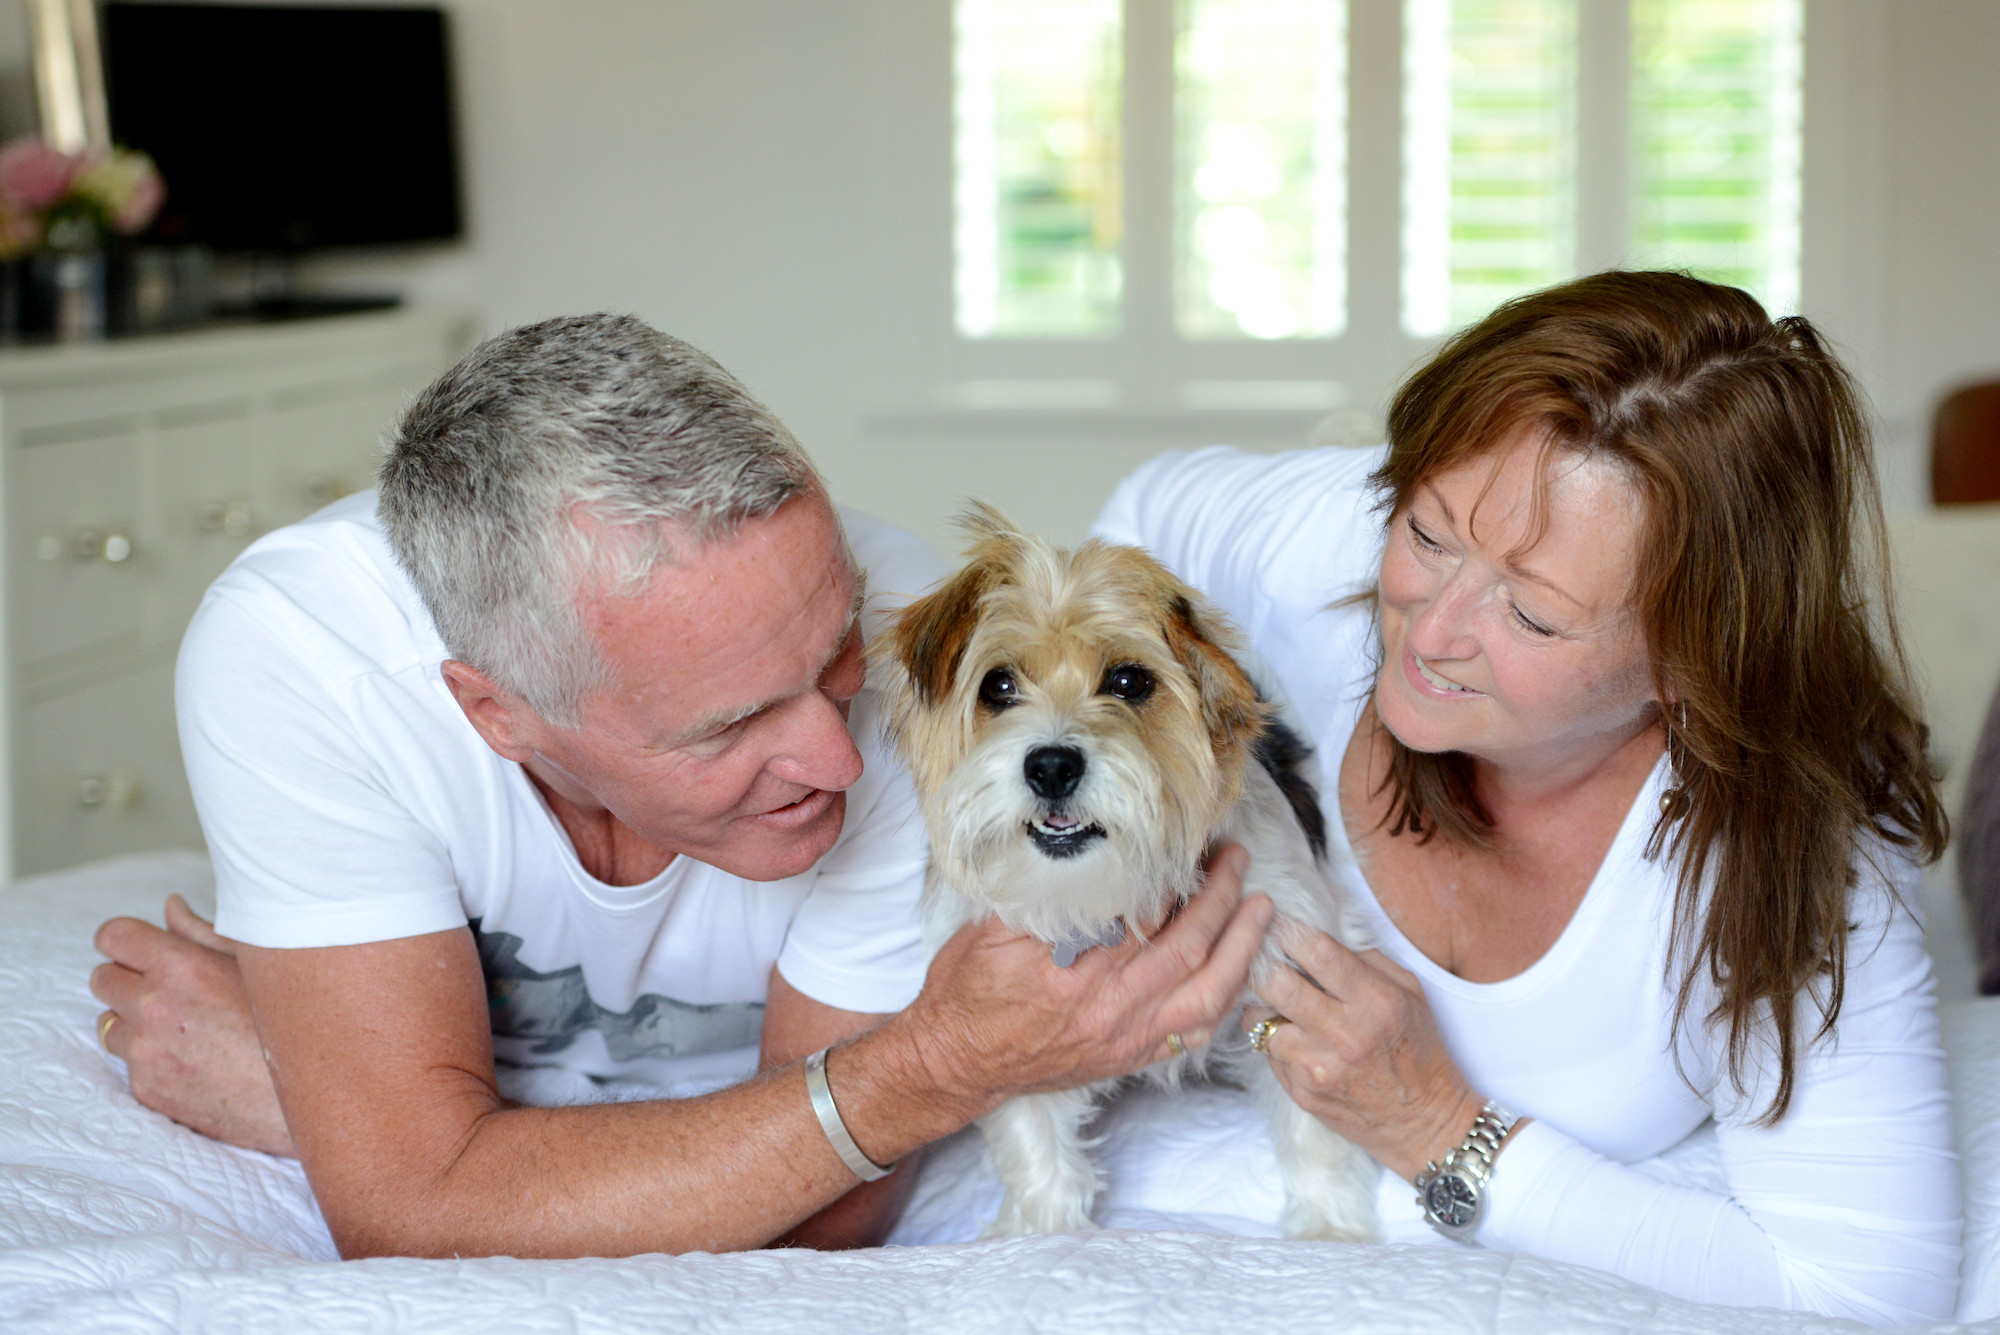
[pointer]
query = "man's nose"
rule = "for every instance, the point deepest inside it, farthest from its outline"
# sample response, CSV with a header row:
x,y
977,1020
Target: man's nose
x,y
821,753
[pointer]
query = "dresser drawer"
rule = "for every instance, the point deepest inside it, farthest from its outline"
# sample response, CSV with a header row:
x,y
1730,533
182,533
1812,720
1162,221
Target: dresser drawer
x,y
99,772
81,570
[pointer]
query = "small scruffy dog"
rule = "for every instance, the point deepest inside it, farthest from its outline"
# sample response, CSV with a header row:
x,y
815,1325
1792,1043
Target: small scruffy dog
x,y
1080,732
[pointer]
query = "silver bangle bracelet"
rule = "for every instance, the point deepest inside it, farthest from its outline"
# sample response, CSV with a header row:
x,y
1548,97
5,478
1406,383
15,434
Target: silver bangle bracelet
x,y
843,1144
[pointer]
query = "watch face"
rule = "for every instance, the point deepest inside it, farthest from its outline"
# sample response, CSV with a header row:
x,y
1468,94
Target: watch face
x,y
1451,1201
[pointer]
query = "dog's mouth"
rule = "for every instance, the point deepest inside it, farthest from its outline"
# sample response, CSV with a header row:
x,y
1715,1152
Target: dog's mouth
x,y
1062,836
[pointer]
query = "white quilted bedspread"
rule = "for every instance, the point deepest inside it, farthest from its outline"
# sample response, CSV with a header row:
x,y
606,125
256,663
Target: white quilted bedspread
x,y
114,1219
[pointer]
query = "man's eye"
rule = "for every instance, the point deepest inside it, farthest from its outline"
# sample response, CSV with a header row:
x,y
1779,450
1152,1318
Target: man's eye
x,y
1128,682
999,689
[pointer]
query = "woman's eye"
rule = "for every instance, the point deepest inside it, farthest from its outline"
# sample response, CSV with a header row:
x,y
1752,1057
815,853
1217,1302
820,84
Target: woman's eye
x,y
1128,682
999,689
1422,538
1539,630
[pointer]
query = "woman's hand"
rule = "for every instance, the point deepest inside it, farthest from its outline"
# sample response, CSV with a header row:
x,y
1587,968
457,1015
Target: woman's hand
x,y
1362,1053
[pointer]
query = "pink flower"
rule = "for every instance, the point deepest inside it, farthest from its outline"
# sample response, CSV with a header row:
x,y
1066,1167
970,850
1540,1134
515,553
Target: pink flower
x,y
34,175
148,193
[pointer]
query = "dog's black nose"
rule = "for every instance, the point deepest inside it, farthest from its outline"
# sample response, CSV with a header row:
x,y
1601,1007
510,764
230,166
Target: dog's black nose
x,y
1054,771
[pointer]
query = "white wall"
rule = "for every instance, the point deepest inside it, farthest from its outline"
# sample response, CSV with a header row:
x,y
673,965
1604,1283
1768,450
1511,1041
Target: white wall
x,y
770,179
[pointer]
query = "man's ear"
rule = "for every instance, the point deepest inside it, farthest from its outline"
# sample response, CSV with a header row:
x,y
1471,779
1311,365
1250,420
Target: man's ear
x,y
502,721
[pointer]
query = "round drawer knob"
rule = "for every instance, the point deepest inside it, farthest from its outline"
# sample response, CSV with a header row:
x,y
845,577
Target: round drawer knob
x,y
230,518
325,489
112,546
117,791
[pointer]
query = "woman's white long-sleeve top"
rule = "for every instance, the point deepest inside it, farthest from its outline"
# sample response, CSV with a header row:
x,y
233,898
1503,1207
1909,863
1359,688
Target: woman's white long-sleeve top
x,y
1848,1206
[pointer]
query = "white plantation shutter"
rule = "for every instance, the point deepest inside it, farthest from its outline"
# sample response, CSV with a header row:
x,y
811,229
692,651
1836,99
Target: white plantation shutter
x,y
1716,103
1489,155
1261,170
1038,167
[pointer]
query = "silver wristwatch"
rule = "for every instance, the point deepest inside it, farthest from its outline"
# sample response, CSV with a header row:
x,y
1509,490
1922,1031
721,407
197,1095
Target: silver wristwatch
x,y
1453,1193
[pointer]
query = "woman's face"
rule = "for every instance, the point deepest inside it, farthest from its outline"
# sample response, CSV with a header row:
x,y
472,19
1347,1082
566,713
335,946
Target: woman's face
x,y
1516,649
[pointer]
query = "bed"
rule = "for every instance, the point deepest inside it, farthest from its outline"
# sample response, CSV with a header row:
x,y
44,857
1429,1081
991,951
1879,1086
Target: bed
x,y
115,1219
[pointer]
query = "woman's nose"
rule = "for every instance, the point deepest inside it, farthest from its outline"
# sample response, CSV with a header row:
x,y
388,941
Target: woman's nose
x,y
1443,630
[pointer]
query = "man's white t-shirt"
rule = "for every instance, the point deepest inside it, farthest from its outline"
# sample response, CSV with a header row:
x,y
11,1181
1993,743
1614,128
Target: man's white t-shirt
x,y
346,799
1849,1205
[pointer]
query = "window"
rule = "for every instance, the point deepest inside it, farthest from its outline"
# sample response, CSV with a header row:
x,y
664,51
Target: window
x,y
1224,126
1489,155
1261,175
1715,141
1037,137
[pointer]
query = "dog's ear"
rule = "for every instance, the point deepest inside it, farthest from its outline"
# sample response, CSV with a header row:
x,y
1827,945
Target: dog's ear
x,y
928,637
984,527
1202,641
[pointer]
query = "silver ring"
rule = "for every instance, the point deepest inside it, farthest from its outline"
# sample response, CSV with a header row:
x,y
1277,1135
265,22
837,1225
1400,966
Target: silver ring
x,y
1175,1046
1260,1033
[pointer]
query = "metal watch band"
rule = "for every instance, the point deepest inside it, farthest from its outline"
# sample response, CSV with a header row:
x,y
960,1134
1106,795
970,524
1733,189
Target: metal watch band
x,y
843,1144
1453,1192
1476,1153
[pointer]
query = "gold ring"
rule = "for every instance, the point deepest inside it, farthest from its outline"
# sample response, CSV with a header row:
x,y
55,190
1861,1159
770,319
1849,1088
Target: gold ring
x,y
1175,1046
104,1030
1260,1032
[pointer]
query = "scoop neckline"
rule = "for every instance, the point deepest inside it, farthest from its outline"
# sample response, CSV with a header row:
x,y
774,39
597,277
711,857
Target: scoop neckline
x,y
1575,934
618,898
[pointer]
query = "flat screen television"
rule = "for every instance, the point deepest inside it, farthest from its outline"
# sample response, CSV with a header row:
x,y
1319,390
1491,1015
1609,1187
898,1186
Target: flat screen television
x,y
288,128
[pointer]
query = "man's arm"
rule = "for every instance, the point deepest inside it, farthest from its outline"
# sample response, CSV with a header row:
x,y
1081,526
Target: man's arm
x,y
178,1018
796,1026
382,1058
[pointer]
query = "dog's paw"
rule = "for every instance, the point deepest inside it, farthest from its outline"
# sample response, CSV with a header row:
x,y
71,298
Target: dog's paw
x,y
1330,1221
1020,1219
1321,1230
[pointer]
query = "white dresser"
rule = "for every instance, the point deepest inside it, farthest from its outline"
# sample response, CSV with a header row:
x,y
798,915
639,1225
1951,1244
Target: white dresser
x,y
132,473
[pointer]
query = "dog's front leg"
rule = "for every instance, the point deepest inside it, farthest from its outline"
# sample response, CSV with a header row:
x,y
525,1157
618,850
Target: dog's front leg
x,y
1041,1155
1330,1182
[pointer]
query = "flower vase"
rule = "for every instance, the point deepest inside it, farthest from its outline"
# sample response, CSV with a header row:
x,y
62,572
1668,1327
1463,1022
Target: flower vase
x,y
70,293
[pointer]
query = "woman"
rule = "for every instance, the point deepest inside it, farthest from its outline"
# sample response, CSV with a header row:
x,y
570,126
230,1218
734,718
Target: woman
x,y
1635,788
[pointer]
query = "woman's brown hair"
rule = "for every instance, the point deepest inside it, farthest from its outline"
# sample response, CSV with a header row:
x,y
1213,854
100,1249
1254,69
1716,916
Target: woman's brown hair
x,y
1761,587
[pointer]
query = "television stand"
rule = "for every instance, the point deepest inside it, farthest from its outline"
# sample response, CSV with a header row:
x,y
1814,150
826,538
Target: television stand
x,y
306,307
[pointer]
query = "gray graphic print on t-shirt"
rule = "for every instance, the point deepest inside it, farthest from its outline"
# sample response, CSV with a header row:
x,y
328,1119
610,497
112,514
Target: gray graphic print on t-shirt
x,y
549,1010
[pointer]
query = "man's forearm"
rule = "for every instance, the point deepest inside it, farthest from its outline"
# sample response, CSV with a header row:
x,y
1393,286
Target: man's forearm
x,y
730,1170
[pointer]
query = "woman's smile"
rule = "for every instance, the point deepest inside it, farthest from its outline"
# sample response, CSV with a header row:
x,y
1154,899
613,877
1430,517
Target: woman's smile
x,y
1432,683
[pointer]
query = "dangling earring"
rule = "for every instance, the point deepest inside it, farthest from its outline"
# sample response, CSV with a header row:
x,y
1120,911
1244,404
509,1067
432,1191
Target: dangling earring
x,y
1674,798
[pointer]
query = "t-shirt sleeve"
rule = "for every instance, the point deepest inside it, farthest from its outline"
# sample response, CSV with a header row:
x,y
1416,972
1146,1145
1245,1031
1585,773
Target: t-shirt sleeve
x,y
310,847
1849,1206
1268,538
856,943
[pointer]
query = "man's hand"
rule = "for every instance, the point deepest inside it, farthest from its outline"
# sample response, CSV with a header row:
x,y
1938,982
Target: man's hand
x,y
997,1018
179,1017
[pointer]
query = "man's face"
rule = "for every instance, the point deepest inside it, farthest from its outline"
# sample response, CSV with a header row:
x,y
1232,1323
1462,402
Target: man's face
x,y
724,734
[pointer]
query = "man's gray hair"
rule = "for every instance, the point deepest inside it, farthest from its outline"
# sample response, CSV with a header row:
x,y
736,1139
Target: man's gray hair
x,y
587,448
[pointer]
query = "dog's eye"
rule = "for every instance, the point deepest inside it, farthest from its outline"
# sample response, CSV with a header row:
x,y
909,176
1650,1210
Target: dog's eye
x,y
999,689
1129,682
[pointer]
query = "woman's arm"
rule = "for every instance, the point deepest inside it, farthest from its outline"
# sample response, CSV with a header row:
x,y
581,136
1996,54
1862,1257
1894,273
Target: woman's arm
x,y
1263,536
1849,1206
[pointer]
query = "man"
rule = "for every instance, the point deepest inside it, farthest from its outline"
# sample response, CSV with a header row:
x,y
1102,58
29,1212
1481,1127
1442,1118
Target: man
x,y
567,758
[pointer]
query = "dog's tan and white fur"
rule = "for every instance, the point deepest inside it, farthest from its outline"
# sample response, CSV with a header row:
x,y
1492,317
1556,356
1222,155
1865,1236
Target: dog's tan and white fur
x,y
1080,732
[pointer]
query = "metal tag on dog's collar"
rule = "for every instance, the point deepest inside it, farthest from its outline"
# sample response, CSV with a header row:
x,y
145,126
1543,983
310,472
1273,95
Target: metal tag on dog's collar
x,y
1064,952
